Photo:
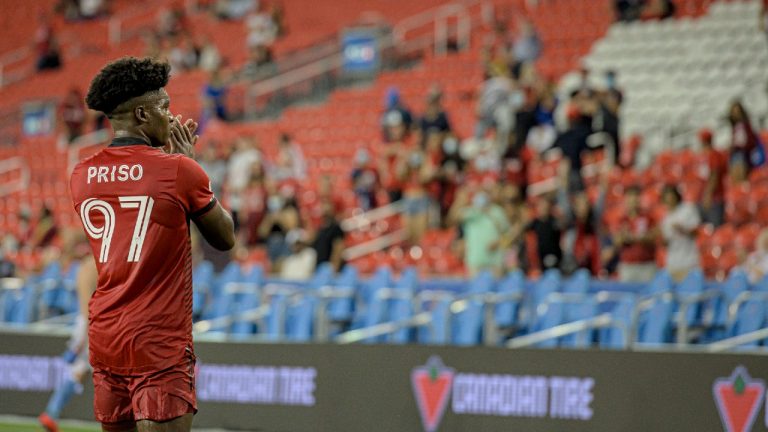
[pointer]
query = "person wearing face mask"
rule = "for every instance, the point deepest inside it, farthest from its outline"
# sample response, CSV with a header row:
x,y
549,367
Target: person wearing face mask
x,y
282,217
417,172
484,224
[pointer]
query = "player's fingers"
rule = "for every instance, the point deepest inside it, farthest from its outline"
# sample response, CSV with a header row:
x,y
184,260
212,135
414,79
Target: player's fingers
x,y
194,139
193,127
187,133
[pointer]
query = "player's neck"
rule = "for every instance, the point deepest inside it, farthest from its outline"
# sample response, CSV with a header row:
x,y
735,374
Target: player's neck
x,y
132,133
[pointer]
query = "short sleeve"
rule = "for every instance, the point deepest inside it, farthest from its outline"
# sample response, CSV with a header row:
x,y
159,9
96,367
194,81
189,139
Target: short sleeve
x,y
194,188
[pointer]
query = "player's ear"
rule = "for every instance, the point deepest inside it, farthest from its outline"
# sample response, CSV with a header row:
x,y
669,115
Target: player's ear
x,y
141,114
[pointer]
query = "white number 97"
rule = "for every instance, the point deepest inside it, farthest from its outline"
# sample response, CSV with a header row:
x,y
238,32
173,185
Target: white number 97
x,y
142,203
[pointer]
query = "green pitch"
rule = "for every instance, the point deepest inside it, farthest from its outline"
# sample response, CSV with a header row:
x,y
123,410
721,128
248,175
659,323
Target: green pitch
x,y
24,426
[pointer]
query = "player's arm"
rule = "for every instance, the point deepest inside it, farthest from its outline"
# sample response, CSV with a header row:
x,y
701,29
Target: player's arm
x,y
87,278
192,183
217,228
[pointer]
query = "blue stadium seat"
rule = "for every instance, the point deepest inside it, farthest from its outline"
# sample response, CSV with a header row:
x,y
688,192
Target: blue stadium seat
x,y
67,299
341,309
689,289
622,312
217,305
549,283
49,281
301,310
736,283
507,311
655,325
202,279
575,311
468,323
400,305
751,317
246,298
578,283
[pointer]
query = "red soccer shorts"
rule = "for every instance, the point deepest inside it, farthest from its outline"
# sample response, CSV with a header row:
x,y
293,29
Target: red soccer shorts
x,y
121,400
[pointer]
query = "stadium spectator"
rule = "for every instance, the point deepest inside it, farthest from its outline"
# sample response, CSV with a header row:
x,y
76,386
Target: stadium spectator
x,y
215,167
329,238
483,224
547,231
714,171
300,264
678,229
756,264
90,9
260,63
73,113
172,22
365,180
44,231
527,46
240,167
233,9
395,148
214,97
289,163
282,217
184,54
7,266
416,171
262,30
573,143
658,9
745,147
69,9
254,199
450,174
582,237
435,118
628,10
493,108
635,240
396,114
46,45
607,119
210,58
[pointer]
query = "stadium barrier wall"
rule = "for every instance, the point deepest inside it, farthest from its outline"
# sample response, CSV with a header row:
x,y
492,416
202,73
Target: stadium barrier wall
x,y
371,388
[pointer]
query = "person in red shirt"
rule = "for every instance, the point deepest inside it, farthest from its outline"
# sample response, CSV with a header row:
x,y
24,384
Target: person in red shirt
x,y
635,240
135,200
714,172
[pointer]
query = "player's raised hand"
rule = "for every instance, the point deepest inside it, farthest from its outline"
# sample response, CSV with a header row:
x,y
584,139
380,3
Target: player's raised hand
x,y
183,137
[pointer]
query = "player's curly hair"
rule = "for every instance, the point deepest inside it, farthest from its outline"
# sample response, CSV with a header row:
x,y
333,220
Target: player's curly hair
x,y
124,79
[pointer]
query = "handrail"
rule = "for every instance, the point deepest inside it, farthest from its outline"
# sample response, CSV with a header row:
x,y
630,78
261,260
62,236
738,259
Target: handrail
x,y
359,335
600,321
374,245
736,341
22,183
225,321
365,219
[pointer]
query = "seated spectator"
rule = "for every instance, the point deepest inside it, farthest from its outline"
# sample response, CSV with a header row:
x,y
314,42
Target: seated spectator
x,y
679,228
260,63
73,113
547,230
483,224
282,217
714,171
210,58
395,114
756,264
635,241
46,44
745,146
301,262
289,163
434,119
329,239
365,180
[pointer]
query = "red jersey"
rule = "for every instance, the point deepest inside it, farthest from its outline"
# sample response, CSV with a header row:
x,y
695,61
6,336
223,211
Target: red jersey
x,y
135,203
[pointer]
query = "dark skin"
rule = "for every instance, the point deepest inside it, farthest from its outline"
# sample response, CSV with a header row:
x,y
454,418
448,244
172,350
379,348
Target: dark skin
x,y
148,117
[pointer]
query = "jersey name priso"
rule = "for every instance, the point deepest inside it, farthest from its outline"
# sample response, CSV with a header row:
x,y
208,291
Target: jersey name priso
x,y
113,173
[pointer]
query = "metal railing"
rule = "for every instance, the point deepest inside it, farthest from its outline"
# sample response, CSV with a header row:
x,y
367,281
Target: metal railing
x,y
10,165
600,321
737,341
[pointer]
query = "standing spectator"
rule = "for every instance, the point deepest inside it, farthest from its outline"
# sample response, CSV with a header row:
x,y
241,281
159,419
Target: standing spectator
x,y
434,119
573,143
416,171
484,224
365,180
241,164
582,239
290,163
395,113
73,113
679,231
329,239
744,140
282,217
547,230
493,109
714,172
214,97
756,264
527,46
301,262
262,30
635,240
46,45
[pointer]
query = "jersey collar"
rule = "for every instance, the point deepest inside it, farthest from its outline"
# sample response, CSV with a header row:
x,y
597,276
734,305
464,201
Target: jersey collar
x,y
127,141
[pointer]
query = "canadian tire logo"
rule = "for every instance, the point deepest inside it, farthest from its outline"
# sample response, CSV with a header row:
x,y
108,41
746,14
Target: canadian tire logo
x,y
432,388
738,399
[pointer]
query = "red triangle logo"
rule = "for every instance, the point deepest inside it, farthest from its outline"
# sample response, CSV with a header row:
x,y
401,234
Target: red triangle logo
x,y
738,400
432,386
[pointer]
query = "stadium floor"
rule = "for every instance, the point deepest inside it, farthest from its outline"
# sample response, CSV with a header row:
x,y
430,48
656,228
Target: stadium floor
x,y
29,424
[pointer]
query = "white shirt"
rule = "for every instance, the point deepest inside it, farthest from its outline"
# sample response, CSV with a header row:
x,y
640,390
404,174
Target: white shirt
x,y
682,253
299,266
240,168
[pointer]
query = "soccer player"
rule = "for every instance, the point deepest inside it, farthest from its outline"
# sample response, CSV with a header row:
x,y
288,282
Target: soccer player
x,y
136,199
76,354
